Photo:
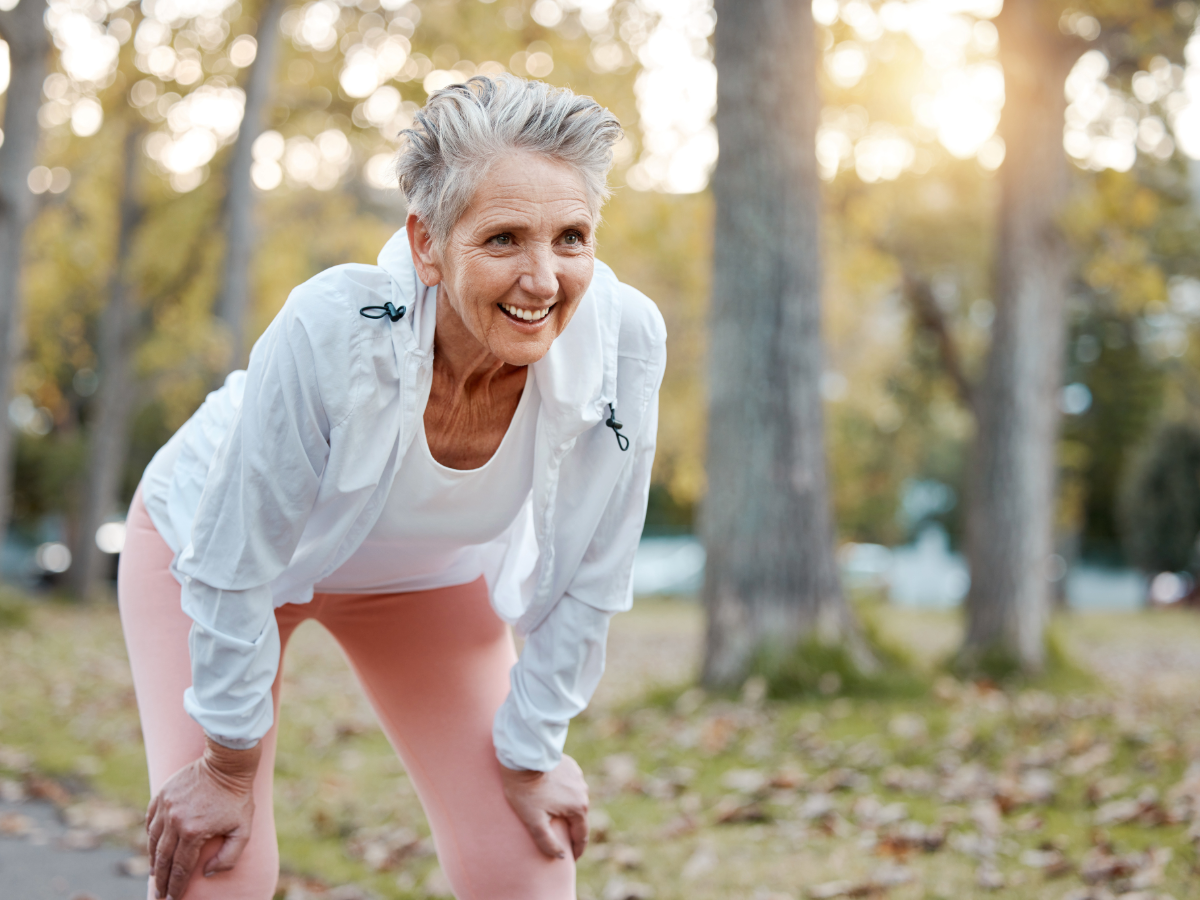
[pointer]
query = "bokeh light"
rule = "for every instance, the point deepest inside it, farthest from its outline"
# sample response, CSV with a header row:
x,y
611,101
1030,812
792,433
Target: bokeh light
x,y
676,97
89,53
5,67
378,171
243,50
957,89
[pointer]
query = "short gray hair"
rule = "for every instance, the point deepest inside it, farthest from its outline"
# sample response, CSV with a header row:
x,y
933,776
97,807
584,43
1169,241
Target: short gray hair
x,y
464,128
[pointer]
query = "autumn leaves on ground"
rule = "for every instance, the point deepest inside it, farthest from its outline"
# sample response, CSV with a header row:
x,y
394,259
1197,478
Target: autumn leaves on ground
x,y
1081,788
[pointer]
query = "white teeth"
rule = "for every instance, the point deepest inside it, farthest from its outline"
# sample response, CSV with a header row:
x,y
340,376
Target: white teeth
x,y
527,315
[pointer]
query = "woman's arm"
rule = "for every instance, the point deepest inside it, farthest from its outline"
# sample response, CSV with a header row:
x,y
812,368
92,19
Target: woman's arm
x,y
260,488
562,662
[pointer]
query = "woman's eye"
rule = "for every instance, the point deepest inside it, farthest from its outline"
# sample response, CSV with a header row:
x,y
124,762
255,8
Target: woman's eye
x,y
502,239
573,239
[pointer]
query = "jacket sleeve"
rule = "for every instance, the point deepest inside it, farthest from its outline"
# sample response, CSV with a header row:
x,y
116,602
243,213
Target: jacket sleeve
x,y
260,488
563,657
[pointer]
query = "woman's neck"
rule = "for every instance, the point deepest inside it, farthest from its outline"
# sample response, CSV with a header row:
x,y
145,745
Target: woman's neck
x,y
472,398
460,358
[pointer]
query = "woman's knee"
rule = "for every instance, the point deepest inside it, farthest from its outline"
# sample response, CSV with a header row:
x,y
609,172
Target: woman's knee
x,y
254,876
505,864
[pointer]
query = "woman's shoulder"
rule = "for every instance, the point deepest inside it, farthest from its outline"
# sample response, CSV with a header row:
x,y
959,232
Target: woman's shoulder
x,y
321,345
643,332
326,307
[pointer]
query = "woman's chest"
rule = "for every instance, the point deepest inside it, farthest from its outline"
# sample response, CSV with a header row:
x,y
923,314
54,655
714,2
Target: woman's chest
x,y
464,428
429,500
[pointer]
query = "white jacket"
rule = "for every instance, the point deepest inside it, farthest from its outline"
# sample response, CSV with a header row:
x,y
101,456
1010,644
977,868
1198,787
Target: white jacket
x,y
281,474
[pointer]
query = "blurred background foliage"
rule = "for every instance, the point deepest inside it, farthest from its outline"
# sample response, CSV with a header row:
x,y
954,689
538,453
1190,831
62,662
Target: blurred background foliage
x,y
907,151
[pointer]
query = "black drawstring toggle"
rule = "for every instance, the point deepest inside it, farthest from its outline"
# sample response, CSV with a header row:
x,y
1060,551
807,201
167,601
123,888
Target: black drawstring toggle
x,y
611,422
378,312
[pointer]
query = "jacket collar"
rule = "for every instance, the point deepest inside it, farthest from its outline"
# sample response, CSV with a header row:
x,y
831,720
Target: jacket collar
x,y
576,379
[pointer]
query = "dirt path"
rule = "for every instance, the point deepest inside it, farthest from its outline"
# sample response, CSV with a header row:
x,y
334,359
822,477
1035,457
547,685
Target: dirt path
x,y
36,862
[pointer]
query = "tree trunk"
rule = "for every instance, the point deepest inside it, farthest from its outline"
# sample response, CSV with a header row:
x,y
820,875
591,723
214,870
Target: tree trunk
x,y
771,579
28,44
113,404
238,212
1010,521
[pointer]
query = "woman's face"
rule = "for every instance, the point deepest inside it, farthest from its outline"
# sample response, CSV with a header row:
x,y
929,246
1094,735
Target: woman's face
x,y
517,263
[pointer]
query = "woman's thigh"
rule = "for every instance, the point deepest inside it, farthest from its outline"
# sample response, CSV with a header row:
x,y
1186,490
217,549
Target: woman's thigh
x,y
156,636
435,666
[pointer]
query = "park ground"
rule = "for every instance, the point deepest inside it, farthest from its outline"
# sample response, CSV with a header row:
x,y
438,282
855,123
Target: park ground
x,y
1084,786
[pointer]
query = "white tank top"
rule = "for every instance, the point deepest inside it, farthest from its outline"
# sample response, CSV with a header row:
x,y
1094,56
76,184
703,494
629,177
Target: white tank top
x,y
435,518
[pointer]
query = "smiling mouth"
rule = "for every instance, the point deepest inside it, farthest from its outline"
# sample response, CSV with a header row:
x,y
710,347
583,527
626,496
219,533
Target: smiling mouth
x,y
525,316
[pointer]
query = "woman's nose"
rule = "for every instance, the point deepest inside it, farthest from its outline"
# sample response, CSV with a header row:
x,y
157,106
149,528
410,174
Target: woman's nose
x,y
540,280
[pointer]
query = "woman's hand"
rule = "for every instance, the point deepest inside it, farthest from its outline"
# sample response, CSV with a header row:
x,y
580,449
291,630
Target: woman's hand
x,y
537,797
212,797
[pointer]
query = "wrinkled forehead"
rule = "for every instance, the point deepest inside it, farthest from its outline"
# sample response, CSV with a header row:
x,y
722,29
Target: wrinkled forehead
x,y
529,191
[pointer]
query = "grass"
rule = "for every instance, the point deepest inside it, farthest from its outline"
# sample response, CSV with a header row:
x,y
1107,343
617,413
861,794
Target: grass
x,y
820,669
706,797
14,610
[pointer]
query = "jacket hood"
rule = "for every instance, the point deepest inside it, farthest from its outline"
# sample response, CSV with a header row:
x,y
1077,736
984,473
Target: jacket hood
x,y
577,378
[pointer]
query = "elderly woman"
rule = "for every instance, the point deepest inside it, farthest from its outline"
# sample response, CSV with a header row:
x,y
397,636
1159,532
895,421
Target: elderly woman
x,y
420,454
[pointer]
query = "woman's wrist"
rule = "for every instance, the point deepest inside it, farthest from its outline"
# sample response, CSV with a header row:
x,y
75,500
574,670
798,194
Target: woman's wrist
x,y
520,775
234,769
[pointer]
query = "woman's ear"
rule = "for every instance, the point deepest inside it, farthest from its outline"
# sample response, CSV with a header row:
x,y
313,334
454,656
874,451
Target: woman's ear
x,y
420,241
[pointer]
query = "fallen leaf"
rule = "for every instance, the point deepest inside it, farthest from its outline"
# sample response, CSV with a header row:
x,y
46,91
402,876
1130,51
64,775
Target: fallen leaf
x,y
15,825
988,877
832,889
906,837
599,826
1049,860
880,882
909,781
840,779
79,839
909,727
732,810
625,856
134,867
11,791
716,734
1100,864
745,781
816,806
385,848
14,759
1106,788
1029,822
1099,755
621,773
700,863
618,889
436,884
47,789
679,826
788,778
102,818
1150,873
348,892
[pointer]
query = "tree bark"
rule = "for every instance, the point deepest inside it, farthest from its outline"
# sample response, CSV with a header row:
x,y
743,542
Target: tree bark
x,y
114,400
238,212
24,32
771,579
1010,521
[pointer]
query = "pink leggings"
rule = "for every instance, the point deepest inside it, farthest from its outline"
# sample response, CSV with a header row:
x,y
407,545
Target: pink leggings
x,y
434,665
